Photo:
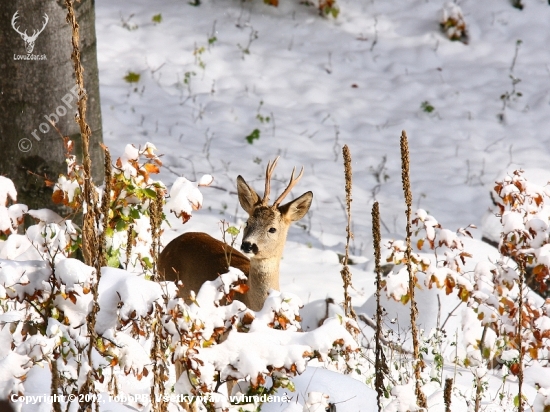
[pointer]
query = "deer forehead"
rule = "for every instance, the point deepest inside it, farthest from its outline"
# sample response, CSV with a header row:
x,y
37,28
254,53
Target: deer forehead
x,y
265,217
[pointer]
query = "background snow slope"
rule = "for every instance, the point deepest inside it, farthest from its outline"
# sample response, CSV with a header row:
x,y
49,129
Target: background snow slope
x,y
357,80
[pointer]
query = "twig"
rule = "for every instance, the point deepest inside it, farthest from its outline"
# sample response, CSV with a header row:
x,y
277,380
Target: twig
x,y
518,44
450,314
392,345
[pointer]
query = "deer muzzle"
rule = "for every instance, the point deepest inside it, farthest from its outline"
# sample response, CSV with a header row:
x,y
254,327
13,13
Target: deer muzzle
x,y
249,248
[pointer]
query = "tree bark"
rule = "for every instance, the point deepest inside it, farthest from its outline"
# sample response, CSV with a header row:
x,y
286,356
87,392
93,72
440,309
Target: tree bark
x,y
39,87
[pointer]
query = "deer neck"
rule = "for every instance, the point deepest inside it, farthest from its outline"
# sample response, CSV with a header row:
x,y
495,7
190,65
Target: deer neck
x,y
263,276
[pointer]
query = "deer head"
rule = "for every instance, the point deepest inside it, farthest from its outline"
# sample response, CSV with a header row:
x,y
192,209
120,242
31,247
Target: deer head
x,y
267,226
29,40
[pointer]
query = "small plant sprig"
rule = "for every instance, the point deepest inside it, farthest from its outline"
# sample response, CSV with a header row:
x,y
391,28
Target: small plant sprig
x,y
198,53
254,135
329,8
453,24
427,107
253,35
513,95
131,193
127,24
233,232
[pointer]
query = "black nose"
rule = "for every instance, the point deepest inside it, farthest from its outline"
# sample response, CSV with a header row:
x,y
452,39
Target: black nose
x,y
248,247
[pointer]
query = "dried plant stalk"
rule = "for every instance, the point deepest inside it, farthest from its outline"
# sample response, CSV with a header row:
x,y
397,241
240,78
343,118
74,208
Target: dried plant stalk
x,y
160,364
89,233
155,219
345,272
479,392
129,243
105,206
159,347
90,238
521,268
56,384
405,177
380,364
447,392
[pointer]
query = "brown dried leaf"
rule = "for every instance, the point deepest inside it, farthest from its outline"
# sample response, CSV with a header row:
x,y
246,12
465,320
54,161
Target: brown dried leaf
x,y
58,197
151,168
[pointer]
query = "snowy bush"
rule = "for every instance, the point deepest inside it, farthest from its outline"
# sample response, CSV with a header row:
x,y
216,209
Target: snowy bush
x,y
138,327
493,289
452,23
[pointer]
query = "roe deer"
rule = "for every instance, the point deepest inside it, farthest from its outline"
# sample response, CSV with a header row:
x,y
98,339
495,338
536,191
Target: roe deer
x,y
194,258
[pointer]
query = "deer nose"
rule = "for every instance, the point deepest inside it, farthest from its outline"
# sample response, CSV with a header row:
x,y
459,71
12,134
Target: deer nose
x,y
248,247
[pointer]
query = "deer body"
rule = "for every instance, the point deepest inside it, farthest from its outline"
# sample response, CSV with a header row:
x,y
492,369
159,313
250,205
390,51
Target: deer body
x,y
196,252
194,258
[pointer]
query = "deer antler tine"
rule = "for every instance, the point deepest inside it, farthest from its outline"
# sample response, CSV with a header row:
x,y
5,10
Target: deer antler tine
x,y
291,184
14,22
268,172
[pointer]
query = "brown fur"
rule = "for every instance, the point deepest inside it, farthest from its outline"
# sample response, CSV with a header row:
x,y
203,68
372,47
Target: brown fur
x,y
198,250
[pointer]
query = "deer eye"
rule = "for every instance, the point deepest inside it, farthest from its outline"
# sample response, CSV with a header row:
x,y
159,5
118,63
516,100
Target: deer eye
x,y
272,230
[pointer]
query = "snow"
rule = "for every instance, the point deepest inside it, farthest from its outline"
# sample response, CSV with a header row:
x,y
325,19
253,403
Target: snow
x,y
125,295
7,190
185,196
352,395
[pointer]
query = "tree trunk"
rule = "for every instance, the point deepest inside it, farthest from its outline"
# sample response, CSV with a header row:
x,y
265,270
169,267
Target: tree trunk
x,y
37,85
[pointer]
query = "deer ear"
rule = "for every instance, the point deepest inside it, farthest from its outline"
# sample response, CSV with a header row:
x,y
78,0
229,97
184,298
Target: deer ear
x,y
248,198
298,208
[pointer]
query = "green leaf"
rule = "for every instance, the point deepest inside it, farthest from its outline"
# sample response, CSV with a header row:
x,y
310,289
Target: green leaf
x,y
132,77
109,232
157,18
255,135
134,213
427,107
146,261
150,193
113,262
233,231
121,225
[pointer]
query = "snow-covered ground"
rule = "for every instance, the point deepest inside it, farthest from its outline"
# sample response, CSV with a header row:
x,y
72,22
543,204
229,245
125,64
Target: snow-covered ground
x,y
210,76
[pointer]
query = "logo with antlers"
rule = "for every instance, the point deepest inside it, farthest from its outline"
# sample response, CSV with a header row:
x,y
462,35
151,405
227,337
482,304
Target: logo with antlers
x,y
29,40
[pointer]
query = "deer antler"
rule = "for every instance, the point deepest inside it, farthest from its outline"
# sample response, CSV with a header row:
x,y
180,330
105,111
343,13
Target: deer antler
x,y
268,172
291,184
34,33
13,21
